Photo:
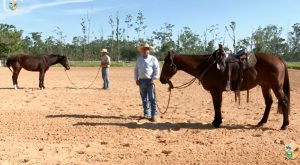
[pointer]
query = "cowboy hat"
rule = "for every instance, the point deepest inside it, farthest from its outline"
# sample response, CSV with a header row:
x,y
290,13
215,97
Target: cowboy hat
x,y
143,46
104,51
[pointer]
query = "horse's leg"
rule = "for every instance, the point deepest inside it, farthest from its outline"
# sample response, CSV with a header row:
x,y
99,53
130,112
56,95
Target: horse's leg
x,y
228,78
41,79
15,77
217,101
268,102
283,102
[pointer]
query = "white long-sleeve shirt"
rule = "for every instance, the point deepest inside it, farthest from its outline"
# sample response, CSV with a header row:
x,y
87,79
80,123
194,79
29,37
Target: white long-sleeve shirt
x,y
146,68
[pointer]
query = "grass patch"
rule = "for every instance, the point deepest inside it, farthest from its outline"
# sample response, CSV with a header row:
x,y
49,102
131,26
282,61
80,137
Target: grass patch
x,y
293,65
97,64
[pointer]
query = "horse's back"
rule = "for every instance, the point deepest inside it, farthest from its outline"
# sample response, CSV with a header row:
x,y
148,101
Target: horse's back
x,y
28,62
270,63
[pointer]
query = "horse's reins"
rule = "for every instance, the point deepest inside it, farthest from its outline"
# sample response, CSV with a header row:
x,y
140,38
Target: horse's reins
x,y
185,85
84,87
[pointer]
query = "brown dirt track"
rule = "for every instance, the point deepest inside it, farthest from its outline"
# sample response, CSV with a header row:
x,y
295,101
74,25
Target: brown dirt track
x,y
63,125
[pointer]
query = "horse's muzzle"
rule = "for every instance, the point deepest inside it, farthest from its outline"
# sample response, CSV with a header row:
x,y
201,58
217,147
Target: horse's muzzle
x,y
164,80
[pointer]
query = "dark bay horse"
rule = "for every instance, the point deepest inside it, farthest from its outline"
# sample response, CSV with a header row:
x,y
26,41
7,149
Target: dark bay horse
x,y
272,74
34,63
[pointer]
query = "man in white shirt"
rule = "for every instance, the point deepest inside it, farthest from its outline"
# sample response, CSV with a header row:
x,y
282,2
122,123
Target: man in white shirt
x,y
105,63
146,71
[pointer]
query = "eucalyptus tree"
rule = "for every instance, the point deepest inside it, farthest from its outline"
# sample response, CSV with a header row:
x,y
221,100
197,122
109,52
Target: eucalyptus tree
x,y
10,39
190,42
232,34
294,42
140,25
269,39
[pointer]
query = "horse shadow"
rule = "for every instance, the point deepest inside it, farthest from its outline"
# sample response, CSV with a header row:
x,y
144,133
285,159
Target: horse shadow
x,y
75,88
4,88
150,125
166,126
83,116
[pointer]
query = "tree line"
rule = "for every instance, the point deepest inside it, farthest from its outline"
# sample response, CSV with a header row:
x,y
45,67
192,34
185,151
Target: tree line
x,y
126,34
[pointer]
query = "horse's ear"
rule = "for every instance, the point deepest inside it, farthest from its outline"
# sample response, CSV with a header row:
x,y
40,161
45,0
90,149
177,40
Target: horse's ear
x,y
171,55
221,47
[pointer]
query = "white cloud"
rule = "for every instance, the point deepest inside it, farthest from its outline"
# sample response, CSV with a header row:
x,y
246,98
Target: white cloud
x,y
29,9
86,10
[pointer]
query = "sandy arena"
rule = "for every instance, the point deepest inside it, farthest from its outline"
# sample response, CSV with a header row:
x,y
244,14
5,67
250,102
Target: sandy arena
x,y
65,125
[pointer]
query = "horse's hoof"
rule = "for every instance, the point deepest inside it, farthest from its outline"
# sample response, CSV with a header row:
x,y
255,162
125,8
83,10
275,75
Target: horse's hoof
x,y
216,124
260,124
284,127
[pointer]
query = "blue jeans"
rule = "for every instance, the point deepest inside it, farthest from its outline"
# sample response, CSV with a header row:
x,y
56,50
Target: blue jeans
x,y
105,72
147,94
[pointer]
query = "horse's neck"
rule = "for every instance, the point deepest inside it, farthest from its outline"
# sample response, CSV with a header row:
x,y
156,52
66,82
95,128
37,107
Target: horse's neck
x,y
52,60
190,64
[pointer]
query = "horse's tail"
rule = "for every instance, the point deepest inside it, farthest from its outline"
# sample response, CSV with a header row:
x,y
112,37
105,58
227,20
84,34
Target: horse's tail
x,y
8,63
286,87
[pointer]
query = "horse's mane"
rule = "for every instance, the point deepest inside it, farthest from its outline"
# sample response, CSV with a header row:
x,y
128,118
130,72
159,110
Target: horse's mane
x,y
183,54
58,55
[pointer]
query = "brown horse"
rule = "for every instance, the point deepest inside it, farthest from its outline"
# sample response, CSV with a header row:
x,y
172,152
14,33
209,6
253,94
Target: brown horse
x,y
34,63
272,74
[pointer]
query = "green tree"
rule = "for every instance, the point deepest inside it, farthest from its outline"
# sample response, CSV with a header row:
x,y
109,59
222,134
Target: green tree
x,y
50,45
190,42
140,25
85,27
164,38
232,34
268,39
26,44
60,41
294,43
10,40
128,22
111,37
118,34
210,46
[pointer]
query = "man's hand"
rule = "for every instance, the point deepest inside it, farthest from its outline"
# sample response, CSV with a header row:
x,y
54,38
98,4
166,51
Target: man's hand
x,y
137,82
151,81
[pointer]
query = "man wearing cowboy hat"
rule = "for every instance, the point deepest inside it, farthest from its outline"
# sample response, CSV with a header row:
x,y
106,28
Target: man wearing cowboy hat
x,y
105,63
145,72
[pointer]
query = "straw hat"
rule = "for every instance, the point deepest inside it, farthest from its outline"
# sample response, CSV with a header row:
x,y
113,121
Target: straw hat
x,y
143,46
104,51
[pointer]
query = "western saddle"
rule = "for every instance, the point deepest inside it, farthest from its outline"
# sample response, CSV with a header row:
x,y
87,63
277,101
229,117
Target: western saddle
x,y
235,64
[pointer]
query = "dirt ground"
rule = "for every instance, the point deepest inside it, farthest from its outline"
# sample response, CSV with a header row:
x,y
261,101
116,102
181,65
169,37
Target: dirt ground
x,y
65,125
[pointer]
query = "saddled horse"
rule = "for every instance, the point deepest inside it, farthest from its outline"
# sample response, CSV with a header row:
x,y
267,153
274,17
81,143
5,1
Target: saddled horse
x,y
272,74
34,63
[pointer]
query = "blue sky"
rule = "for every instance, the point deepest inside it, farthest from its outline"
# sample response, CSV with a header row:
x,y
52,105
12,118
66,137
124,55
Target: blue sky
x,y
44,15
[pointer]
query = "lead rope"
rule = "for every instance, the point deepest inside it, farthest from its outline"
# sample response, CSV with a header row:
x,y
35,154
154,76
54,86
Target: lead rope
x,y
83,87
185,85
166,110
